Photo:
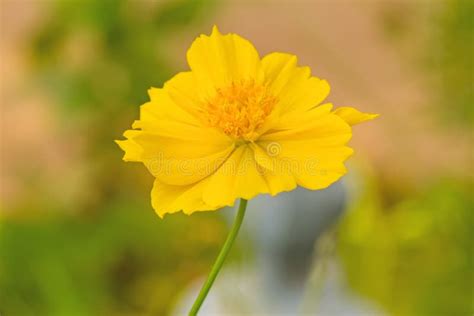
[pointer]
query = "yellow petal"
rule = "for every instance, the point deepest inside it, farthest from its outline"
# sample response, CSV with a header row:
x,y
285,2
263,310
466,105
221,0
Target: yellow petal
x,y
183,90
277,181
238,177
184,157
162,106
133,151
294,86
167,198
318,124
313,153
353,116
218,60
173,143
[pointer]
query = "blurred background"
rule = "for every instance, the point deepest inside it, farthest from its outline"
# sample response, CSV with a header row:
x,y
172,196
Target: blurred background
x,y
78,235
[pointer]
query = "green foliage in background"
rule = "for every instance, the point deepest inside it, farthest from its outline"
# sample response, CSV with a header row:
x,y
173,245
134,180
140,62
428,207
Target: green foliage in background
x,y
121,261
451,59
414,258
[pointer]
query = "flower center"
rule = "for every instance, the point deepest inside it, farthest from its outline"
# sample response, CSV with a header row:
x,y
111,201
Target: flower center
x,y
240,109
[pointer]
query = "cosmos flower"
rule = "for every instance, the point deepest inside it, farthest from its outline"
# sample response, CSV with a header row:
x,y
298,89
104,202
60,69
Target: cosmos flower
x,y
236,125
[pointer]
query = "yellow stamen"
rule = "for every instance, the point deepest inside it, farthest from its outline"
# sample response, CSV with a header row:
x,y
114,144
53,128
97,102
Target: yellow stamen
x,y
240,109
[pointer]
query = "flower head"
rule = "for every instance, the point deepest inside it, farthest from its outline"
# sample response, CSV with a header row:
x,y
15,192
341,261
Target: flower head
x,y
237,125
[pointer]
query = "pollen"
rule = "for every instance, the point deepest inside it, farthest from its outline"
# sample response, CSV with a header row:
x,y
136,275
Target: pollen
x,y
240,109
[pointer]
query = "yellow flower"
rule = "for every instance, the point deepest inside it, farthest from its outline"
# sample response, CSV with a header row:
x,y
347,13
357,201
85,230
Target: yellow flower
x,y
237,125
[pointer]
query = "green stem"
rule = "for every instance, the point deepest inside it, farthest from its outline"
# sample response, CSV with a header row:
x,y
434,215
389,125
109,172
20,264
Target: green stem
x,y
220,259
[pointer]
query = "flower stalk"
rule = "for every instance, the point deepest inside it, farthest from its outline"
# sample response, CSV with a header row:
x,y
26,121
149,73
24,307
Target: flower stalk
x,y
220,258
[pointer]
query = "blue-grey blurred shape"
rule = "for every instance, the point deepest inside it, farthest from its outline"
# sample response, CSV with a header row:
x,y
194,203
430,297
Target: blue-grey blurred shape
x,y
283,231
